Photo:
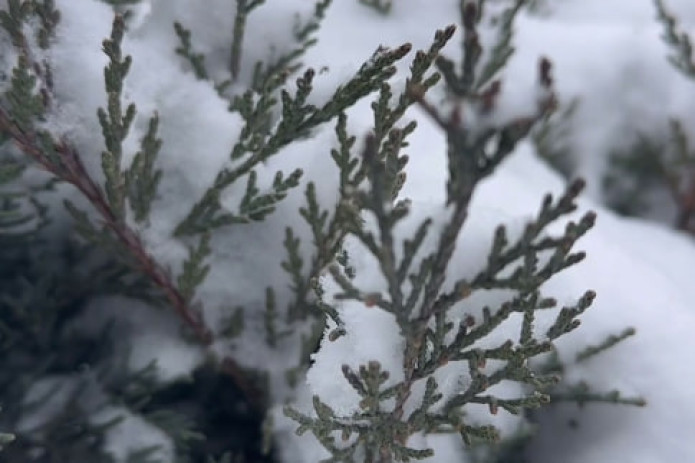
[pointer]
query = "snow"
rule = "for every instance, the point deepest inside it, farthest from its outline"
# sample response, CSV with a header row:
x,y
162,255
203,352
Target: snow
x,y
152,335
132,434
54,399
372,335
49,396
607,53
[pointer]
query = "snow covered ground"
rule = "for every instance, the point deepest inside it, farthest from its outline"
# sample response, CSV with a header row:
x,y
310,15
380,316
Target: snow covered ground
x,y
606,52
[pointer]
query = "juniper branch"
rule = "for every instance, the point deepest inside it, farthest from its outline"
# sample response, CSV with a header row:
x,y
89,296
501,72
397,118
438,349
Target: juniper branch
x,y
243,9
298,119
681,44
59,158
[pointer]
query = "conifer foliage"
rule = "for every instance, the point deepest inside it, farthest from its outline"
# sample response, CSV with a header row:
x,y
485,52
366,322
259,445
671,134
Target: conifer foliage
x,y
69,391
665,163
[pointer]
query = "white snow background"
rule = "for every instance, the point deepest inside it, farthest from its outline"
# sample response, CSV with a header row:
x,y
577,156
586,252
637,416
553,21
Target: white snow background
x,y
607,52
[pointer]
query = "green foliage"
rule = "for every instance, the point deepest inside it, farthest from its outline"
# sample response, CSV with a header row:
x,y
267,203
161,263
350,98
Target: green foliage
x,y
634,172
24,104
679,42
194,270
380,6
609,342
28,96
655,166
650,166
429,327
43,288
20,11
415,296
14,231
253,148
142,179
196,60
128,192
502,49
268,77
121,2
552,138
582,394
539,7
115,124
243,9
473,74
139,183
17,13
45,285
329,228
18,226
